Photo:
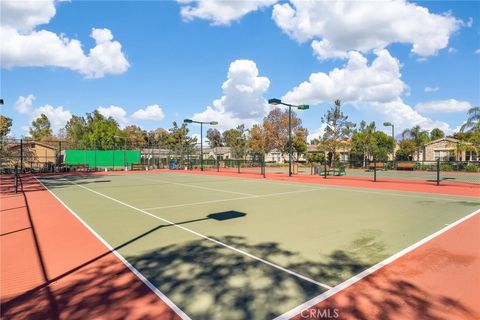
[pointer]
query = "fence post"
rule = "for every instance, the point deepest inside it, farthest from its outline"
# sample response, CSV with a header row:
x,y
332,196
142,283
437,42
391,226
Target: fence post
x,y
21,155
374,170
59,155
325,170
438,172
238,164
263,166
15,175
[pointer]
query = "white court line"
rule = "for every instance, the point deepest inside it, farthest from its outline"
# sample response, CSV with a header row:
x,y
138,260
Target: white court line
x,y
233,199
293,273
316,300
353,189
198,187
155,290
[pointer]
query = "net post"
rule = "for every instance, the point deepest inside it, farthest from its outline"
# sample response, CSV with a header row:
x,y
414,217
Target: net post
x,y
374,170
438,172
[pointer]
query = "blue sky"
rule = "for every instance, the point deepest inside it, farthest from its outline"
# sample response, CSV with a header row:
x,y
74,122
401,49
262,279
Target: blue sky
x,y
409,63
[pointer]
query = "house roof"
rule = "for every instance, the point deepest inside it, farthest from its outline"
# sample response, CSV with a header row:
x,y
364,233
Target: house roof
x,y
449,139
33,143
221,150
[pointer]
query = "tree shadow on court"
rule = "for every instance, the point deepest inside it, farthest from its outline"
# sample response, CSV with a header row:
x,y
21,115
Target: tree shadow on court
x,y
212,282
209,281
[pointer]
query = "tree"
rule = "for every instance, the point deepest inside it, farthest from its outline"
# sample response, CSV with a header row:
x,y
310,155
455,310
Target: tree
x,y
436,134
103,133
5,125
214,138
299,141
40,128
337,130
316,157
363,142
418,136
135,135
256,140
406,150
275,127
473,121
236,139
158,136
383,146
76,131
179,141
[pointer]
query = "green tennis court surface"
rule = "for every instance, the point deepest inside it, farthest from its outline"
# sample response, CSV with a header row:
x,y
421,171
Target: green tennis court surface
x,y
231,248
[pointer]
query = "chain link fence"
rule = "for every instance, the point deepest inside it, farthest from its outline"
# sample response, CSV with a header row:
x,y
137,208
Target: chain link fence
x,y
64,156
435,172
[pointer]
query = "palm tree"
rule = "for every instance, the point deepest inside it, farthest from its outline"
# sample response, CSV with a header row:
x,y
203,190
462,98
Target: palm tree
x,y
419,137
473,121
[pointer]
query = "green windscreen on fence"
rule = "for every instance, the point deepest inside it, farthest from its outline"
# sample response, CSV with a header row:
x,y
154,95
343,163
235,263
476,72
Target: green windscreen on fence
x,y
102,158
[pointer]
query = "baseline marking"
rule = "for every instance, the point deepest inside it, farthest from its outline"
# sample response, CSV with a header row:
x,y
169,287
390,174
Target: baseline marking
x,y
293,273
232,199
198,187
353,189
155,290
316,300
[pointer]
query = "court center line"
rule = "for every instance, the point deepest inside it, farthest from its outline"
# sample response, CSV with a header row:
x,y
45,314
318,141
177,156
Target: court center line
x,y
232,199
293,273
137,273
198,187
318,299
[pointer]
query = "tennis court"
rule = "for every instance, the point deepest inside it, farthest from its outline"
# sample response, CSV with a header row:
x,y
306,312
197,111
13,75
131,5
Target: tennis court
x,y
222,247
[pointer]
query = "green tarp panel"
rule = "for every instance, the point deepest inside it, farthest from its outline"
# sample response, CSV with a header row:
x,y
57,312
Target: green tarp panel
x,y
102,158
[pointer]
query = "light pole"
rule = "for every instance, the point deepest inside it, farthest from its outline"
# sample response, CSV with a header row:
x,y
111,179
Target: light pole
x,y
212,123
290,106
389,124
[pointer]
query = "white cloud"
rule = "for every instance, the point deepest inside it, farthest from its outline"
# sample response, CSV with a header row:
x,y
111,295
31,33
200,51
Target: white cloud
x,y
469,23
452,50
404,116
243,101
443,106
205,140
117,113
317,133
23,105
477,51
378,82
57,115
26,15
23,46
337,27
431,89
220,12
374,88
153,112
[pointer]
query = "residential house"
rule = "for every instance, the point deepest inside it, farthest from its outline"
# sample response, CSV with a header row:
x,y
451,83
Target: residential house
x,y
35,155
449,149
